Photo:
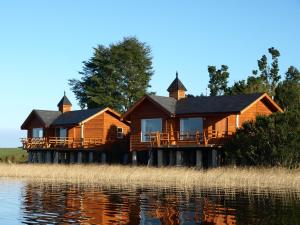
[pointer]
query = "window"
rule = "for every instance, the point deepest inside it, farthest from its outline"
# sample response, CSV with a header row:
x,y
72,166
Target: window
x,y
120,133
63,132
148,126
37,132
189,126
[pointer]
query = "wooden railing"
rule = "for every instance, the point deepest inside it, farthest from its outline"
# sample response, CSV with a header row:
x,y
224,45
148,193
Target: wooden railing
x,y
58,142
168,139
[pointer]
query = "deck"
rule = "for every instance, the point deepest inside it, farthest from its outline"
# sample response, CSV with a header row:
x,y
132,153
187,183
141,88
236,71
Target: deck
x,y
160,140
61,143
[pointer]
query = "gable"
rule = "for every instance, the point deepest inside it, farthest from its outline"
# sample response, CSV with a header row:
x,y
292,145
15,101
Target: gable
x,y
33,121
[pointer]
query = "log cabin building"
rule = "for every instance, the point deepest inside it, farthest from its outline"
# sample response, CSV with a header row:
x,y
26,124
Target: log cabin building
x,y
73,136
178,130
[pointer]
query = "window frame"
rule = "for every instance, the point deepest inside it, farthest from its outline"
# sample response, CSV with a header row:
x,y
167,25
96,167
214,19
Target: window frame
x,y
143,136
120,134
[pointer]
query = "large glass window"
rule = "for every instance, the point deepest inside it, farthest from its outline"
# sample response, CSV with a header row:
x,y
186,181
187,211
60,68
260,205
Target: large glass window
x,y
150,125
189,126
62,132
37,132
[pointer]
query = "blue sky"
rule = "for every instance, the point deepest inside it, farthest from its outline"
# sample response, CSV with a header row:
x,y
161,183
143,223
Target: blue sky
x,y
43,44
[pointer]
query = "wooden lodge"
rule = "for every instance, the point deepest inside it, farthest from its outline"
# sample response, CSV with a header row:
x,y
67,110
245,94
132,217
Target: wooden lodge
x,y
74,136
189,130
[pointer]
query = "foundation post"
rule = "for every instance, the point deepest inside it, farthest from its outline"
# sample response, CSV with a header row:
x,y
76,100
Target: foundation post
x,y
103,157
178,158
48,158
199,158
79,157
40,156
62,157
72,157
55,157
30,158
150,158
160,158
91,157
214,158
172,158
134,158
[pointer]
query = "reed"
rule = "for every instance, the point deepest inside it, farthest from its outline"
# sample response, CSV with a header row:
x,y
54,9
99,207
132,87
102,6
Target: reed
x,y
258,179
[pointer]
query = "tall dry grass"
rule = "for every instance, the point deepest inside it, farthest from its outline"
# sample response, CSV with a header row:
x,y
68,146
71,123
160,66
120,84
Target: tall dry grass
x,y
228,178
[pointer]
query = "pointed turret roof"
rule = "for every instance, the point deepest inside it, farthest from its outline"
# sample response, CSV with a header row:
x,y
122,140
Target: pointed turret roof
x,y
176,85
64,101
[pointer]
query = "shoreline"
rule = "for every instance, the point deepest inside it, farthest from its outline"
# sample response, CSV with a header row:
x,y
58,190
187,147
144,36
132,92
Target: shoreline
x,y
248,179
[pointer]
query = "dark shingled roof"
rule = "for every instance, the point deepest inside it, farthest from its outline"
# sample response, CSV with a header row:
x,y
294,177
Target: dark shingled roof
x,y
47,116
176,85
206,104
75,117
64,101
166,102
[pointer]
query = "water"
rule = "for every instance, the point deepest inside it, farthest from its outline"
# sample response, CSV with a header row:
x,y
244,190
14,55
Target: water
x,y
35,203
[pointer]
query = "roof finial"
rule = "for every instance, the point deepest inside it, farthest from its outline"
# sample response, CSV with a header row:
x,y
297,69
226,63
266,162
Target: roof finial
x,y
64,93
176,74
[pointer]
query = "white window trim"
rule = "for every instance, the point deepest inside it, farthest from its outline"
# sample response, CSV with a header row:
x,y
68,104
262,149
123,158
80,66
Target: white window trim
x,y
237,120
120,135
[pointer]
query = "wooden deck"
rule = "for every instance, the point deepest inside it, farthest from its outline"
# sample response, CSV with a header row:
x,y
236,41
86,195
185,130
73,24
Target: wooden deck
x,y
61,143
182,140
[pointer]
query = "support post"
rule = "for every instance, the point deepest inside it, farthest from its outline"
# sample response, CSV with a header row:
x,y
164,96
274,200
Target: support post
x,y
178,158
91,157
214,158
160,158
72,157
172,158
79,157
62,157
55,157
48,157
30,157
40,156
150,158
134,158
103,157
199,158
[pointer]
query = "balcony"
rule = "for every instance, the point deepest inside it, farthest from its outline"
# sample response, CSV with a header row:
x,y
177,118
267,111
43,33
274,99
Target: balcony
x,y
61,143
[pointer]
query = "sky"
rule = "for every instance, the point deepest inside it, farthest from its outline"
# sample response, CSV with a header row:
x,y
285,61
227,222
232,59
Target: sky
x,y
43,45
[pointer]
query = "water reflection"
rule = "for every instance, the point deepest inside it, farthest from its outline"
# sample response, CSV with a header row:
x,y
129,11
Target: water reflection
x,y
79,204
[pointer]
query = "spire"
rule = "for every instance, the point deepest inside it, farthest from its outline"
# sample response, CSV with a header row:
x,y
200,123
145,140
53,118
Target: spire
x,y
177,89
64,104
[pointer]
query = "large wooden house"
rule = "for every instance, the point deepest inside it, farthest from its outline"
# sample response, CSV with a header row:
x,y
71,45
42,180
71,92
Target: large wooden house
x,y
66,130
181,123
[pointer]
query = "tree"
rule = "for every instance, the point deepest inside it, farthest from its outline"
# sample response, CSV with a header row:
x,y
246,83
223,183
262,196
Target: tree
x,y
218,80
115,76
288,91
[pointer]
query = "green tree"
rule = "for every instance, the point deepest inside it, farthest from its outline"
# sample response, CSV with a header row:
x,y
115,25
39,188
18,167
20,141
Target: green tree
x,y
288,91
115,76
218,80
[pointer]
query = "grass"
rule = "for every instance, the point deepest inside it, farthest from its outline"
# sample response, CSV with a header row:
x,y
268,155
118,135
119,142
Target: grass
x,y
257,179
14,155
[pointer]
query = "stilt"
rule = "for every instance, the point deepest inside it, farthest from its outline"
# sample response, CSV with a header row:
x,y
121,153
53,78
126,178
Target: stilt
x,y
199,159
150,158
72,157
48,158
214,158
30,157
62,157
178,158
103,157
134,158
55,157
79,157
160,158
40,156
125,159
91,157
171,158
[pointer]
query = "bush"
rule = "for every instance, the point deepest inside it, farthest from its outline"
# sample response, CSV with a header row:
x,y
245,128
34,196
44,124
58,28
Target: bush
x,y
268,141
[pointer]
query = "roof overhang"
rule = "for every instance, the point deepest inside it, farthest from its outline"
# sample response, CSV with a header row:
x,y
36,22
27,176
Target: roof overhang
x,y
33,113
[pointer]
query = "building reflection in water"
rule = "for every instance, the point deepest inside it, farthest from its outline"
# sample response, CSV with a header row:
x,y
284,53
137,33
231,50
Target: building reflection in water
x,y
65,204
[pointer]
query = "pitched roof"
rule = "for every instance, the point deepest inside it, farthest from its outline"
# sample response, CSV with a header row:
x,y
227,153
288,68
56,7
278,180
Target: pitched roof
x,y
206,104
176,85
215,104
75,117
64,101
46,117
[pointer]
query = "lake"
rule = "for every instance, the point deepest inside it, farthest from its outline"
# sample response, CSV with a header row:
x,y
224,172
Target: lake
x,y
24,202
